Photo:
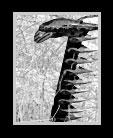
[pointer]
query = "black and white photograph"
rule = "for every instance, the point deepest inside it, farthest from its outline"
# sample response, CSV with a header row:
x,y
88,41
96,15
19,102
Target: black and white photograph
x,y
57,68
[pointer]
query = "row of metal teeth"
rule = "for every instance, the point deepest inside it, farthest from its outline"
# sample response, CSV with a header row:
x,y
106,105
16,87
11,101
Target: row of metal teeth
x,y
79,70
40,37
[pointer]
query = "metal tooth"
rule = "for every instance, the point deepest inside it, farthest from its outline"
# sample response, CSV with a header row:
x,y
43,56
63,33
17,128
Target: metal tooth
x,y
89,26
73,91
72,117
88,38
79,82
72,110
79,60
87,16
37,33
71,101
79,70
80,39
82,70
81,50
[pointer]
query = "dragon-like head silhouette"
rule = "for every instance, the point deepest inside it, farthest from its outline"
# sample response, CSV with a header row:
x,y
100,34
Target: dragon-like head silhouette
x,y
64,27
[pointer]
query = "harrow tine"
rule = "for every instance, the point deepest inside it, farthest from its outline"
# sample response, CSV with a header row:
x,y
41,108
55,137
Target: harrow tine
x,y
87,16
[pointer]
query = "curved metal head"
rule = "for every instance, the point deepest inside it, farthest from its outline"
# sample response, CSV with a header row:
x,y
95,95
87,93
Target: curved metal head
x,y
63,27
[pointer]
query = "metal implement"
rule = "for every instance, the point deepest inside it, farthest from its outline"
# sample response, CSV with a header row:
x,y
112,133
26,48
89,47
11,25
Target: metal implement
x,y
63,109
